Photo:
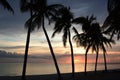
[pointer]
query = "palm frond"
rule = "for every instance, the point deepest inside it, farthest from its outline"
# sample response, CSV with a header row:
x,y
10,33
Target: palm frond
x,y
79,20
75,30
65,38
111,23
76,38
54,8
62,23
28,24
92,18
33,22
24,5
38,19
6,5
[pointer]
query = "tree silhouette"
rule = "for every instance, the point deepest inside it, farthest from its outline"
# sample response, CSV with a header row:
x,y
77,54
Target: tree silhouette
x,y
43,10
27,6
111,25
6,5
63,23
82,39
99,41
92,37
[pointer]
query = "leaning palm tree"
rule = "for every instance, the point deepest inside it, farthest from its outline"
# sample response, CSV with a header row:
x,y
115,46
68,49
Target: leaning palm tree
x,y
86,23
42,10
26,6
94,40
6,5
111,25
63,23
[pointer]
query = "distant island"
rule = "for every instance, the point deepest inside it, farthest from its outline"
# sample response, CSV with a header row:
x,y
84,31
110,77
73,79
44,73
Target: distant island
x,y
13,57
10,54
5,54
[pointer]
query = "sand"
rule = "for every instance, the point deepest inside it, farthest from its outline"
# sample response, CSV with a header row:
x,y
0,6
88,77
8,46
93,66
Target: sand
x,y
101,75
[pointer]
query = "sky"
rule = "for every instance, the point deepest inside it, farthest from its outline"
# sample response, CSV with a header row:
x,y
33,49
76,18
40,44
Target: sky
x,y
13,34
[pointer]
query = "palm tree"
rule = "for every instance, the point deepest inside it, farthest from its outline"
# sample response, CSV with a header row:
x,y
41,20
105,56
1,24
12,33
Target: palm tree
x,y
43,10
111,25
63,23
98,42
95,40
82,38
6,5
25,6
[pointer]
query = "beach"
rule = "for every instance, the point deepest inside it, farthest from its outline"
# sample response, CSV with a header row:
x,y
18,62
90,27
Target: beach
x,y
100,75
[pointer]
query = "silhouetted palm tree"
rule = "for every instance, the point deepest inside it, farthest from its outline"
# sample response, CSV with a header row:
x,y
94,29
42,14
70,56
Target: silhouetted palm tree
x,y
43,10
26,6
111,25
98,42
95,40
86,23
6,5
63,23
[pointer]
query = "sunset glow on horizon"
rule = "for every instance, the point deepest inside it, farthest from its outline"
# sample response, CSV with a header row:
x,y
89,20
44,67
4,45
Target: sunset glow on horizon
x,y
13,34
60,39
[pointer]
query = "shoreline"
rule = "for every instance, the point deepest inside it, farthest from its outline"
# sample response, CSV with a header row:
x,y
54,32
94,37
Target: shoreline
x,y
100,75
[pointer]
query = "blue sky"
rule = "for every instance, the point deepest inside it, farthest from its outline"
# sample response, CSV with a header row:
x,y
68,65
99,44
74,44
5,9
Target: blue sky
x,y
13,33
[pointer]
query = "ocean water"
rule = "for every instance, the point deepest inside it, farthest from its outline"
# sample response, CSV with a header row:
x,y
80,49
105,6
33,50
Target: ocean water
x,y
15,69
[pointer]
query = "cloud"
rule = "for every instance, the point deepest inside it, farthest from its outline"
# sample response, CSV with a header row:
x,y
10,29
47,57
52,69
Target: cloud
x,y
61,58
12,47
19,47
11,24
114,50
13,33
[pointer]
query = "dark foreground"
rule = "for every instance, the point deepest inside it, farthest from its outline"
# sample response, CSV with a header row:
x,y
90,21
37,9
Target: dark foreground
x,y
101,75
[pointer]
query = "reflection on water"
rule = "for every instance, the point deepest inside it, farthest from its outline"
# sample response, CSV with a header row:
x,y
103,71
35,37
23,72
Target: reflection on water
x,y
12,69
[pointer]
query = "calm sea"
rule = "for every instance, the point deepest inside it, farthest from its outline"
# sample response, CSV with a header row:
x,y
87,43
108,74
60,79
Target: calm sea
x,y
15,69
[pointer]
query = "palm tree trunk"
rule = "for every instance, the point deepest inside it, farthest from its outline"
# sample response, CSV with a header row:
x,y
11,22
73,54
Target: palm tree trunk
x,y
86,58
96,62
85,63
51,50
26,55
72,55
27,48
105,63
